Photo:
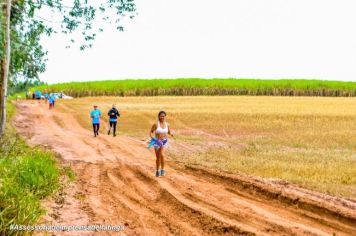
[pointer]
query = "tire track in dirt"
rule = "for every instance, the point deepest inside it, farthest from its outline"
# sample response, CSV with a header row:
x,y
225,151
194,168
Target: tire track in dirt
x,y
115,176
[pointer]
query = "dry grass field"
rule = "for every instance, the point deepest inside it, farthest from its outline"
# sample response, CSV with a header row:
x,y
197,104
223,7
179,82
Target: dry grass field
x,y
310,141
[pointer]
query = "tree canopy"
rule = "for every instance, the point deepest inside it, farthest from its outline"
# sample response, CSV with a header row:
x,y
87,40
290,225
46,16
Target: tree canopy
x,y
21,54
28,57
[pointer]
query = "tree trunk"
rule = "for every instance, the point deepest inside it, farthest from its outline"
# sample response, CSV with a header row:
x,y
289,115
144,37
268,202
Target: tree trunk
x,y
5,63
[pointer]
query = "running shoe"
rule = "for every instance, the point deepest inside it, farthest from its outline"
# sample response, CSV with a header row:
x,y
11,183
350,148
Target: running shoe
x,y
158,173
163,172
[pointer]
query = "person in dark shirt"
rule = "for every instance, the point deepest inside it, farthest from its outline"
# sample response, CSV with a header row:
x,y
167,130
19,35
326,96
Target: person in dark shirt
x,y
113,114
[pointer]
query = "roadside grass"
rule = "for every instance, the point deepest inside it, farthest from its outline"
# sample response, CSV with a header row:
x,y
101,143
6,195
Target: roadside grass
x,y
194,87
309,141
27,175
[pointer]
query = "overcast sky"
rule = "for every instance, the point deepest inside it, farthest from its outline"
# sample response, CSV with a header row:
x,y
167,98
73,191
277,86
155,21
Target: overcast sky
x,y
274,39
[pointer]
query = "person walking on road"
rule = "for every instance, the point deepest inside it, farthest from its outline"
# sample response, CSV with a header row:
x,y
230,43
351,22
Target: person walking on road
x,y
51,102
54,98
113,114
46,97
95,116
161,130
38,95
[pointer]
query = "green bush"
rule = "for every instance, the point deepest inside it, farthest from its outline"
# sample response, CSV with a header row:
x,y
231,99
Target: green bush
x,y
27,175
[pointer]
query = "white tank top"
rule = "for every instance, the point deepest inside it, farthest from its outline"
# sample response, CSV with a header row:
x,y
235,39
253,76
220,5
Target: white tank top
x,y
159,130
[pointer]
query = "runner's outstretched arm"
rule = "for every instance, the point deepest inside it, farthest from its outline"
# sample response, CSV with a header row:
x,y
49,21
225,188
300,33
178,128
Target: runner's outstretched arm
x,y
154,127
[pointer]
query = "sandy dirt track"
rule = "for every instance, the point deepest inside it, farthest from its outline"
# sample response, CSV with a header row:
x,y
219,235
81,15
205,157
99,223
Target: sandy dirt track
x,y
116,185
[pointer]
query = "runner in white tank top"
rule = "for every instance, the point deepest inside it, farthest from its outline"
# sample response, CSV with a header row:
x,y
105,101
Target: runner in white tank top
x,y
161,131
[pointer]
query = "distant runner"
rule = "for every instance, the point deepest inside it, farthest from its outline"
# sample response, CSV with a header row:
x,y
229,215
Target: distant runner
x,y
38,95
95,115
54,98
160,141
51,101
113,114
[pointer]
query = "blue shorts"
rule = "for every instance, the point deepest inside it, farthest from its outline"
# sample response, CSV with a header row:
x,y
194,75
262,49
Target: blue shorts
x,y
160,143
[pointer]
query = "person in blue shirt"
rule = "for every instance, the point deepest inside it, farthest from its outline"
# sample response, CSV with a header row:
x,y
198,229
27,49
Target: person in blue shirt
x,y
38,95
95,116
54,98
113,114
46,97
51,100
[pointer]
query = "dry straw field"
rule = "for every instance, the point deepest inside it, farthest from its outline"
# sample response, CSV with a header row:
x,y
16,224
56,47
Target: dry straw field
x,y
310,141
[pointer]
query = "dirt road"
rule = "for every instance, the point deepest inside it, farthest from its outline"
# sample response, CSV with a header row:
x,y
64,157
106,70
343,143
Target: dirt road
x,y
115,185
